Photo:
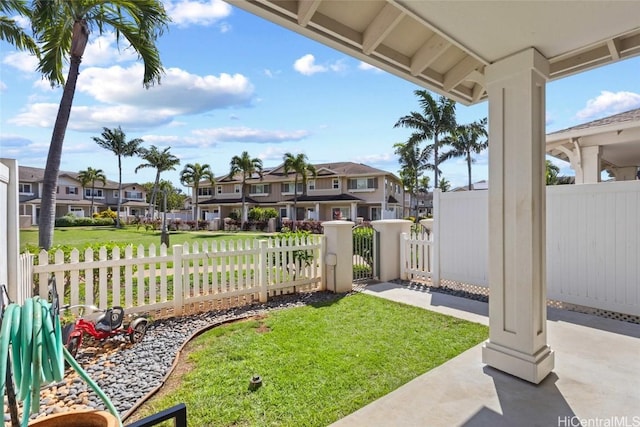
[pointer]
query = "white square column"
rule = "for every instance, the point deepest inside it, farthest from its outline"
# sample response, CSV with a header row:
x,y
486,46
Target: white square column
x,y
517,272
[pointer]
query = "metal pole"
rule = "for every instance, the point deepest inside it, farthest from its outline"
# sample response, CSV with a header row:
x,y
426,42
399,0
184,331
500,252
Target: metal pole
x,y
164,236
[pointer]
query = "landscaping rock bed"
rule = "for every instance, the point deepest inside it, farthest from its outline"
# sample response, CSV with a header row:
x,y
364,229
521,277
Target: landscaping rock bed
x,y
127,373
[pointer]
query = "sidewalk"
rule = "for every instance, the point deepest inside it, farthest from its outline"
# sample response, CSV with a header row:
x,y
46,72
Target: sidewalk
x,y
596,376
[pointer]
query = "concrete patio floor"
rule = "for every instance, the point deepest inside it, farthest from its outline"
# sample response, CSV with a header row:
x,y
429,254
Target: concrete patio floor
x,y
596,380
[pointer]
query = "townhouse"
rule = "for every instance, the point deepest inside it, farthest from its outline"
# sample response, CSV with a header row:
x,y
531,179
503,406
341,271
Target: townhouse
x,y
340,190
73,198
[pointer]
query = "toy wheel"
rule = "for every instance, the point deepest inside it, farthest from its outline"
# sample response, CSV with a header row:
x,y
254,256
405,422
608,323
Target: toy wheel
x,y
73,345
137,334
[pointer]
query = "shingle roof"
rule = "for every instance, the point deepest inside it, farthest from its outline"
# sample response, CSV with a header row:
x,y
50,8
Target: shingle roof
x,y
627,116
31,174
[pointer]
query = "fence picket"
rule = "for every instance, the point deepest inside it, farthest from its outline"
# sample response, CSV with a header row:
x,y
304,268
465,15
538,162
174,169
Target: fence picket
x,y
137,278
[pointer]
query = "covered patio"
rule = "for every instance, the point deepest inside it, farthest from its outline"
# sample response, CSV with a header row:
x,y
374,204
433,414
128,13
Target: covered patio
x,y
503,52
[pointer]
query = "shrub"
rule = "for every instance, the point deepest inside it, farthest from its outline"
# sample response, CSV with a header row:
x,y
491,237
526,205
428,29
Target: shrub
x,y
106,214
68,220
234,216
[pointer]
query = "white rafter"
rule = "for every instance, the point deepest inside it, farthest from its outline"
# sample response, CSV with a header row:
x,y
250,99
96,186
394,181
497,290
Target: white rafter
x,y
306,9
380,27
428,54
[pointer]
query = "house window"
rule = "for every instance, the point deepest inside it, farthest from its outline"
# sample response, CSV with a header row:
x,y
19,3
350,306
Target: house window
x,y
116,194
72,190
287,188
336,183
340,213
24,188
97,193
311,184
259,189
135,195
206,191
237,188
283,212
363,184
375,214
219,189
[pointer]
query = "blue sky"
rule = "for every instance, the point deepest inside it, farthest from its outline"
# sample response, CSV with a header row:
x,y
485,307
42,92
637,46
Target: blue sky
x,y
236,82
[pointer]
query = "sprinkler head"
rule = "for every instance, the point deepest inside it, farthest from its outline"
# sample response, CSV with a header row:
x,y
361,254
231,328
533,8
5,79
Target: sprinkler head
x,y
255,383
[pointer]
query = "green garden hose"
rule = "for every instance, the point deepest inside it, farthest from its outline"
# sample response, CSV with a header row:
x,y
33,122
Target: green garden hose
x,y
37,354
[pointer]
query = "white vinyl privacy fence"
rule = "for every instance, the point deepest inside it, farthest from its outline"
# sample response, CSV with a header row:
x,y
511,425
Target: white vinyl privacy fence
x,y
593,244
193,278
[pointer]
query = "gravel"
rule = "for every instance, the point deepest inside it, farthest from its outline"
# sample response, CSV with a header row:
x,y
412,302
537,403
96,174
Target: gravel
x,y
128,373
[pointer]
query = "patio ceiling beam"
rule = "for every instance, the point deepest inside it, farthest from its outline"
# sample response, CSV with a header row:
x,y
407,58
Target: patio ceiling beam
x,y
380,27
614,48
428,54
306,9
460,72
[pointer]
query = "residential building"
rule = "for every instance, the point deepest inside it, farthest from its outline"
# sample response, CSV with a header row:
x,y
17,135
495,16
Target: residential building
x,y
73,198
340,190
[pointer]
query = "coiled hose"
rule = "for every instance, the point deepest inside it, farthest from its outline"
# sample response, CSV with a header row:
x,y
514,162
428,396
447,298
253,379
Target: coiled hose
x,y
37,354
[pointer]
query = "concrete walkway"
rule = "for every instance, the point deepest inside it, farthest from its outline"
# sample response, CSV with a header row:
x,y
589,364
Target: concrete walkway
x,y
596,380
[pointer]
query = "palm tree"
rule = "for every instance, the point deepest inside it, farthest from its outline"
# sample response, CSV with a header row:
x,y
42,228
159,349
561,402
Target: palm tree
x,y
465,141
445,185
192,175
161,161
299,165
551,173
62,28
437,118
413,162
10,31
248,167
90,176
115,141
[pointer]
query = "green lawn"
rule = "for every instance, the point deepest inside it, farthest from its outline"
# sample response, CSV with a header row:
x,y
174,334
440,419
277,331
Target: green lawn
x,y
318,363
80,236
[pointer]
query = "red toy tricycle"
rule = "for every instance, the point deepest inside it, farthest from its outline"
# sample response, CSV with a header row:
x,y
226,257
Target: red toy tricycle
x,y
108,324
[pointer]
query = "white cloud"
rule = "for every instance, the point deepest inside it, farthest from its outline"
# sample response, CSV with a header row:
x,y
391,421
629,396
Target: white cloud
x,y
368,67
243,134
3,86
189,12
376,158
21,61
274,154
307,66
103,50
179,92
608,103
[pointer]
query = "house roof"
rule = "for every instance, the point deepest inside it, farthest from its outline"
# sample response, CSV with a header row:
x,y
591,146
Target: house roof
x,y
336,169
445,46
618,135
31,174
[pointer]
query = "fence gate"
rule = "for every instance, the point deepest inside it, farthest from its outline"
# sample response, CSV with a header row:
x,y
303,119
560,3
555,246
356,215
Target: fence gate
x,y
365,252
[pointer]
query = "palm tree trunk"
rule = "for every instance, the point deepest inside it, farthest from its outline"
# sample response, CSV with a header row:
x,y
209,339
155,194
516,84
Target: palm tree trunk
x,y
469,168
46,221
436,161
195,197
295,203
119,190
154,195
93,190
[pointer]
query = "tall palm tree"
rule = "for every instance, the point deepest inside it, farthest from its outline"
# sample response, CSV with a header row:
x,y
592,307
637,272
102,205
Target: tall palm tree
x,y
437,119
413,161
248,167
90,176
62,29
161,161
115,141
465,140
299,165
10,31
192,175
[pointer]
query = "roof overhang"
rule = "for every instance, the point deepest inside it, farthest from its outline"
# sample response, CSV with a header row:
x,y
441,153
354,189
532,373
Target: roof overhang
x,y
618,136
445,46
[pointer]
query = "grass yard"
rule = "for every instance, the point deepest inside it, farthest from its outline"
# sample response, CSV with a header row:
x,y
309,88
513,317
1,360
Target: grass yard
x,y
80,236
318,363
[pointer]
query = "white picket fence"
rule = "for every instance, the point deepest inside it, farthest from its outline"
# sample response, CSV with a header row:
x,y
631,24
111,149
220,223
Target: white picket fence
x,y
192,278
416,256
